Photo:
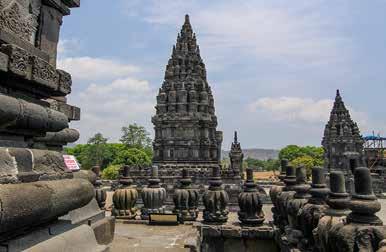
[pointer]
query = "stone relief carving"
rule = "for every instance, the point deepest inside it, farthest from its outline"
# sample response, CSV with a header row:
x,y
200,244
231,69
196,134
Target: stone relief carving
x,y
20,18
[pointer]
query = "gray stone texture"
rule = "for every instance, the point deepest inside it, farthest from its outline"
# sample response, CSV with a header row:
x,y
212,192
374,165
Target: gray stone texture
x,y
36,188
342,142
81,238
236,157
185,122
45,201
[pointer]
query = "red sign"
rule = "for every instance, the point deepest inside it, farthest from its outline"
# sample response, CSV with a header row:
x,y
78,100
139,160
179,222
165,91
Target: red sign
x,y
71,162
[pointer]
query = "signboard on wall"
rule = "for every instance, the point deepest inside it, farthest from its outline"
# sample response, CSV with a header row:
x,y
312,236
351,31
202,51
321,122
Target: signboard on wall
x,y
71,162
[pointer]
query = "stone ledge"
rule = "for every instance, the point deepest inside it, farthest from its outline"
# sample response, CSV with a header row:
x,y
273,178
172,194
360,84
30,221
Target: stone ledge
x,y
25,65
81,238
237,231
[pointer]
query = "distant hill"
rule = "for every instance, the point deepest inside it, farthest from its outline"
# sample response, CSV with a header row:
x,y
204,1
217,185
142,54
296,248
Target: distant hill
x,y
261,154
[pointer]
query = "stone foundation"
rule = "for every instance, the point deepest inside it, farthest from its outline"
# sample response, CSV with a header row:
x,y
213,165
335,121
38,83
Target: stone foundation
x,y
230,238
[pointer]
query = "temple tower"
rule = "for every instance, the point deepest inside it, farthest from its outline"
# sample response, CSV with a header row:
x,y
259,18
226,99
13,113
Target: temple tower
x,y
342,141
236,157
185,121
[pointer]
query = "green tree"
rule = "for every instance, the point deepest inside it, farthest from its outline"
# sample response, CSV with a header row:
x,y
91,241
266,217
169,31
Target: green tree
x,y
97,149
132,156
291,152
135,136
111,172
306,161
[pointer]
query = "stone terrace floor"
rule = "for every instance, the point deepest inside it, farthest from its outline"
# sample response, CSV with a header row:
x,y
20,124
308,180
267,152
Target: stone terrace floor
x,y
148,238
145,238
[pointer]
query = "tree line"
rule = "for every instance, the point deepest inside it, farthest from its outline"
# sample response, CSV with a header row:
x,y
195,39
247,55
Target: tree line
x,y
135,148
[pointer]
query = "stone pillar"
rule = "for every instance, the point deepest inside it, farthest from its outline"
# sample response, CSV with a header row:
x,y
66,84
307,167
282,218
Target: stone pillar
x,y
337,200
236,157
186,199
153,196
100,193
251,207
215,200
276,190
314,209
283,167
124,198
285,196
293,232
363,230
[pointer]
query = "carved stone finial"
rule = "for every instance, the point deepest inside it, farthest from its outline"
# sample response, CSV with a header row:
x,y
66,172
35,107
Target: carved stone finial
x,y
338,198
250,204
335,215
125,198
319,190
311,212
290,178
153,196
215,200
235,137
363,230
283,167
100,193
364,203
186,199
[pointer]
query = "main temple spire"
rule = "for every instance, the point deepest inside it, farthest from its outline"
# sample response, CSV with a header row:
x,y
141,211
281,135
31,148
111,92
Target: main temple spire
x,y
185,121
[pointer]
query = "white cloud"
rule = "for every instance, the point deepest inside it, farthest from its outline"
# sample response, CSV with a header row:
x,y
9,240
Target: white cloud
x,y
295,35
301,110
66,46
106,107
88,68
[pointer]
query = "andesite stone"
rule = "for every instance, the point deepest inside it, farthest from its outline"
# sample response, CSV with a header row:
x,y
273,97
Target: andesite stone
x,y
364,203
276,190
153,196
125,197
186,199
185,121
342,142
236,157
215,200
250,204
337,201
310,214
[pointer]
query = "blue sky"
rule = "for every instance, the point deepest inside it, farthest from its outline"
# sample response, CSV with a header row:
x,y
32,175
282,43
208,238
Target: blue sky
x,y
273,66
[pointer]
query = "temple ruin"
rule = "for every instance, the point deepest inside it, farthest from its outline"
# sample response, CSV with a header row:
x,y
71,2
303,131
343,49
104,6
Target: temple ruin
x,y
42,200
45,206
185,121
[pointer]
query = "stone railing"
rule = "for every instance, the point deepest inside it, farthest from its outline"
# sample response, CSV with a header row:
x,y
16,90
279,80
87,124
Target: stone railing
x,y
315,218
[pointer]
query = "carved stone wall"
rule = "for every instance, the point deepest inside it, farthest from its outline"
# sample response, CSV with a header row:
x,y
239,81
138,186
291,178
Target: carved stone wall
x,y
20,17
185,121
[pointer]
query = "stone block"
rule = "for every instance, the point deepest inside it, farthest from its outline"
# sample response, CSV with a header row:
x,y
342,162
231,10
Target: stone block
x,y
104,230
44,73
81,238
40,202
65,82
18,62
90,212
3,62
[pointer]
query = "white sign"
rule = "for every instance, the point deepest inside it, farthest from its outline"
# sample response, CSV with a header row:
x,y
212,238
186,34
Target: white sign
x,y
71,162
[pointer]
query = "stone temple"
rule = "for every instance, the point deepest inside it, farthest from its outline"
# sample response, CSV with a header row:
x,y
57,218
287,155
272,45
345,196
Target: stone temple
x,y
45,206
342,142
185,121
